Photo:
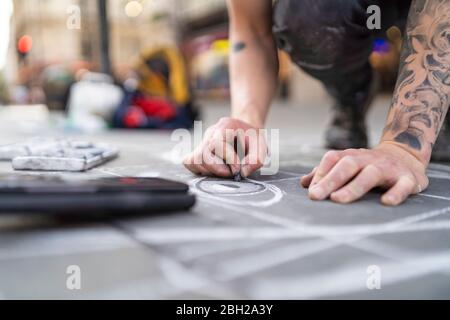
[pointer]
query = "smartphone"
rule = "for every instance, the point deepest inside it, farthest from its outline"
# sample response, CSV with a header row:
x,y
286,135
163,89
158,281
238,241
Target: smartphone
x,y
49,194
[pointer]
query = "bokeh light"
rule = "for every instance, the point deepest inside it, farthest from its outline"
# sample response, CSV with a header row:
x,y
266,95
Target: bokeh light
x,y
25,44
133,9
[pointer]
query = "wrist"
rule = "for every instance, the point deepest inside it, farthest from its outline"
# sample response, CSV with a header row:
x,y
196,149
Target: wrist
x,y
250,117
404,150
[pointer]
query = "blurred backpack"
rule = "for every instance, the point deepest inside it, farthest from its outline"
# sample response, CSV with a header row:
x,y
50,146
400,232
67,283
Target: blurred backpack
x,y
162,99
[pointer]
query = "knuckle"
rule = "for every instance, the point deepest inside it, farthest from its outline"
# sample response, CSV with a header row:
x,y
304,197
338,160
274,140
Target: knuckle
x,y
375,170
350,162
410,178
355,190
391,163
410,181
331,156
350,151
224,121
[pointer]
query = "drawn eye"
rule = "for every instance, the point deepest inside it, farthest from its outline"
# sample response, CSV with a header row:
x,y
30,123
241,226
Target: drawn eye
x,y
227,187
247,192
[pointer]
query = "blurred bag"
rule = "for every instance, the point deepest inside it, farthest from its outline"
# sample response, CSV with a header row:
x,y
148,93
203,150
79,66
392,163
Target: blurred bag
x,y
162,98
138,111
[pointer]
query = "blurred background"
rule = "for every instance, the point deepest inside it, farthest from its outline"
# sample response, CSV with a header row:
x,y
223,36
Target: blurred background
x,y
139,64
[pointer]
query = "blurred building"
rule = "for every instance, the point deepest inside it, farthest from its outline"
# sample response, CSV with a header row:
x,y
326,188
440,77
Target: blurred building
x,y
134,26
45,21
153,24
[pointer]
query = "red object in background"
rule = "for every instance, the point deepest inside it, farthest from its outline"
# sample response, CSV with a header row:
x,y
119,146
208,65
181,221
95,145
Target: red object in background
x,y
134,118
25,44
156,107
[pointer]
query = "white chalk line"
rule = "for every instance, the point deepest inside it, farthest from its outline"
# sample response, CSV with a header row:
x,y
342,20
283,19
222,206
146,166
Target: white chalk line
x,y
438,176
65,251
292,173
335,231
345,279
186,280
249,267
175,281
434,196
253,264
104,171
256,262
389,251
207,249
277,195
181,235
285,179
399,254
177,235
437,167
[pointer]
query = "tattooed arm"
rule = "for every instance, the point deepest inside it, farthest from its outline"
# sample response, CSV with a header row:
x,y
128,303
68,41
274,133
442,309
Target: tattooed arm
x,y
422,96
420,103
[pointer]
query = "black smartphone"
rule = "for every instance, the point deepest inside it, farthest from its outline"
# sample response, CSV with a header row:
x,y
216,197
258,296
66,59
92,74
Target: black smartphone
x,y
49,194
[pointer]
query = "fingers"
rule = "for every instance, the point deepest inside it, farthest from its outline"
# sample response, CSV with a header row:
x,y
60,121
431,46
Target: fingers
x,y
305,181
346,176
369,178
215,165
219,156
404,187
339,175
256,155
193,163
329,160
224,150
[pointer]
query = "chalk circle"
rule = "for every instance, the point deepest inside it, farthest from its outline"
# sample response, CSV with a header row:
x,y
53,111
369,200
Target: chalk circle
x,y
248,192
228,187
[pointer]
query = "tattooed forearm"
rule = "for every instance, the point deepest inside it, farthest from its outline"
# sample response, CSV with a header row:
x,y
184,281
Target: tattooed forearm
x,y
239,46
422,95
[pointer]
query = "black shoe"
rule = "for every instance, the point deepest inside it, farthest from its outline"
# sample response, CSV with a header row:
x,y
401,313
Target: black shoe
x,y
348,126
441,150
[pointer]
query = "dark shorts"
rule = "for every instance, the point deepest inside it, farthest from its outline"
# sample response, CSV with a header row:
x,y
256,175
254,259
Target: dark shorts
x,y
330,40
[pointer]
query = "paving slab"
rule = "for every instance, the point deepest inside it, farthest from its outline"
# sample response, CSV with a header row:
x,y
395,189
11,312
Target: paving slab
x,y
260,239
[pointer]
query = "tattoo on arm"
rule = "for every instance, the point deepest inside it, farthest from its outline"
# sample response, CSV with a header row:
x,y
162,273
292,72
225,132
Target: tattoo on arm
x,y
239,46
422,95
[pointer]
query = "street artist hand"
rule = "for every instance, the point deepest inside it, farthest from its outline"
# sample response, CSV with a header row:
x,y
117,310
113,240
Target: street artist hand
x,y
217,156
346,176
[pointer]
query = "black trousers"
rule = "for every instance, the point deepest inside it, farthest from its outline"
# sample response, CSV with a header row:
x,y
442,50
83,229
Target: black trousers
x,y
330,40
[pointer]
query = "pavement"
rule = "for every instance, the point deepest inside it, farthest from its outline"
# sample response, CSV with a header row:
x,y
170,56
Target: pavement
x,y
262,239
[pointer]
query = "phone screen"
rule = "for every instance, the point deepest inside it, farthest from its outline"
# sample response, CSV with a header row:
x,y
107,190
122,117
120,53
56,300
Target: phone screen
x,y
55,185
